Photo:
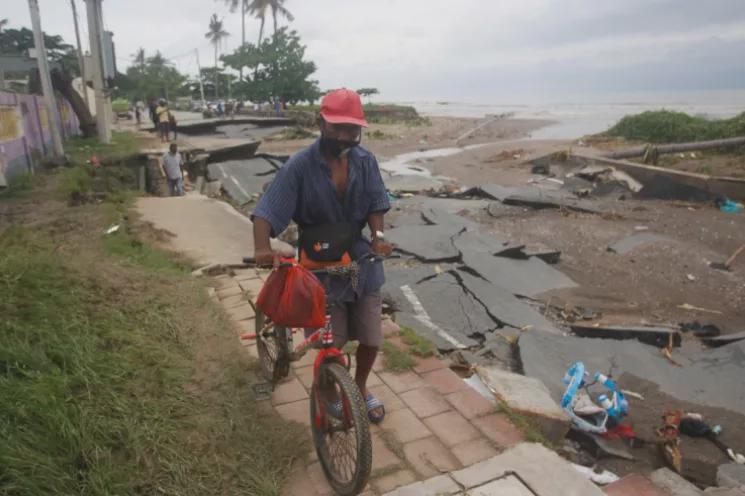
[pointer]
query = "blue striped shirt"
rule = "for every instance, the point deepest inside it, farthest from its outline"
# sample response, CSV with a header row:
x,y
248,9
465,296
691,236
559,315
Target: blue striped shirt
x,y
303,191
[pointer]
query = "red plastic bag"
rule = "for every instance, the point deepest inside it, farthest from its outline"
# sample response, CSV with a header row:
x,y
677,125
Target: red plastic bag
x,y
293,297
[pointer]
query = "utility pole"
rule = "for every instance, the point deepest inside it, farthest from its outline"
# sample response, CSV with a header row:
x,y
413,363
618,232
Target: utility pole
x,y
46,80
81,60
95,32
243,35
201,86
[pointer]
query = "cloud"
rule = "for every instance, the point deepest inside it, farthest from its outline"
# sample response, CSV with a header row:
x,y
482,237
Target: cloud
x,y
439,49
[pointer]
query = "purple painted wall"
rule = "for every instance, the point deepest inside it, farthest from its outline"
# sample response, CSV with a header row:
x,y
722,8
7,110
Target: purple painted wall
x,y
25,137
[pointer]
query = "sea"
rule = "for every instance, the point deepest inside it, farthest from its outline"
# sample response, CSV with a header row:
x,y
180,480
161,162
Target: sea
x,y
576,115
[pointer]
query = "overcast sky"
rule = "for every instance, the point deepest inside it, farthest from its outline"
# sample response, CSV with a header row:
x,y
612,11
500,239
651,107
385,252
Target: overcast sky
x,y
466,50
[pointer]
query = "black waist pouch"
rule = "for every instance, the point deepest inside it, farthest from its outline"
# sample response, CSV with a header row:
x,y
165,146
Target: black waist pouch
x,y
328,243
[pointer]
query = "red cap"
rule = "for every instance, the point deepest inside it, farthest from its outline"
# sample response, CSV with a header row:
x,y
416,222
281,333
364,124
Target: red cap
x,y
343,106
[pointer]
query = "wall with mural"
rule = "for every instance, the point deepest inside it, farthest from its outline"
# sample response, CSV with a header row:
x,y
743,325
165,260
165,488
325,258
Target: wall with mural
x,y
24,131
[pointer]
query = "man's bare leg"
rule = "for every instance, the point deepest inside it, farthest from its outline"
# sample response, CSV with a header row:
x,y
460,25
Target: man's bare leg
x,y
366,356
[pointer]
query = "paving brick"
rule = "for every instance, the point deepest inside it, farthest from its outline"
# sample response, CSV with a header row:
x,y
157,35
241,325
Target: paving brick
x,y
470,403
379,364
297,411
391,401
394,480
499,429
389,327
242,312
298,482
382,456
425,402
473,451
246,325
633,485
306,360
430,364
229,291
507,486
305,375
429,457
445,381
372,380
318,480
442,485
243,274
224,281
404,425
288,392
451,428
399,383
251,286
234,301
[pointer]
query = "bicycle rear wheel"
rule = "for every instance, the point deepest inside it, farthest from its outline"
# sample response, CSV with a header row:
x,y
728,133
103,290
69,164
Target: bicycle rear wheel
x,y
343,444
271,344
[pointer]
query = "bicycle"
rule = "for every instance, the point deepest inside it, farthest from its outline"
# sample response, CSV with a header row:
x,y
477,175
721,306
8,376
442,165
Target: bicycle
x,y
332,385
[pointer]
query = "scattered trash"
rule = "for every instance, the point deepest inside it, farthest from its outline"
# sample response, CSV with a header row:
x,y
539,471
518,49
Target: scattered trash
x,y
728,206
726,265
603,478
670,436
667,352
700,330
641,228
693,425
112,229
690,277
632,394
614,407
686,306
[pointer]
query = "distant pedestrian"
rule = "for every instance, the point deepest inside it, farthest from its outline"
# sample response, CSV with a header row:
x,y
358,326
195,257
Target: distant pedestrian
x,y
152,106
277,106
164,120
138,115
171,168
172,125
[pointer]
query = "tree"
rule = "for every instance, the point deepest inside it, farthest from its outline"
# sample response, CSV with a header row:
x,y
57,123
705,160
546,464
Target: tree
x,y
150,77
216,34
278,7
281,70
18,41
3,23
368,92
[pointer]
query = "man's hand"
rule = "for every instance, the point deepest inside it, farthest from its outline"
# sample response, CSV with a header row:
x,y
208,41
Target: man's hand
x,y
266,258
382,248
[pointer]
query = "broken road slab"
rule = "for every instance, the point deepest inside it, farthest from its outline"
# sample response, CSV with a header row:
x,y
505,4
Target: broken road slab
x,y
712,377
427,243
724,339
530,397
442,217
540,199
629,243
243,180
658,336
520,277
503,305
404,183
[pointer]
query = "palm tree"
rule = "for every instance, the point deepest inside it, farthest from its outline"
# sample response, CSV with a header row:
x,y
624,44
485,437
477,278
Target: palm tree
x,y
215,35
278,7
244,4
3,23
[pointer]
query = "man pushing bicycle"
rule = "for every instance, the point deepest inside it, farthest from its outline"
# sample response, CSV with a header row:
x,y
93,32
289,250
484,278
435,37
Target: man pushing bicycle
x,y
332,190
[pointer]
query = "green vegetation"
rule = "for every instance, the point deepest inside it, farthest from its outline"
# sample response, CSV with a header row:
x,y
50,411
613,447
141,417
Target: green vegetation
x,y
378,134
418,345
396,359
123,145
19,185
663,126
118,374
531,431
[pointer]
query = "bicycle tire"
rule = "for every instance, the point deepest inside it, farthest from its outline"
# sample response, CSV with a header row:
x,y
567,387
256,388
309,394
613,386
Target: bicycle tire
x,y
272,348
335,373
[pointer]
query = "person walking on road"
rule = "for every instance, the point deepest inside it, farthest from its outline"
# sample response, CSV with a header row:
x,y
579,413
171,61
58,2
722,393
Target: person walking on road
x,y
163,115
171,168
332,189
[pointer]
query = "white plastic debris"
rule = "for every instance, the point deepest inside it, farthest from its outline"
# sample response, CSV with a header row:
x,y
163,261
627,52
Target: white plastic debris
x,y
602,479
112,229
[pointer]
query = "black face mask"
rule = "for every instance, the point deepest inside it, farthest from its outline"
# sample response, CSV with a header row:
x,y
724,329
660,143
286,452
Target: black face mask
x,y
336,147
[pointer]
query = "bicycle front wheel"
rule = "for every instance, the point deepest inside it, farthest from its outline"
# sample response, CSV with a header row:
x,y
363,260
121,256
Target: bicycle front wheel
x,y
342,441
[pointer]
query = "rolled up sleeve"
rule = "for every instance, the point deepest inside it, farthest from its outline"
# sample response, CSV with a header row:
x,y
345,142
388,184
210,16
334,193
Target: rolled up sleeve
x,y
277,205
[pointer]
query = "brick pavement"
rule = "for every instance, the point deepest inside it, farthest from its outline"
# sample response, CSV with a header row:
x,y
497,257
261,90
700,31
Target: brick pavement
x,y
435,423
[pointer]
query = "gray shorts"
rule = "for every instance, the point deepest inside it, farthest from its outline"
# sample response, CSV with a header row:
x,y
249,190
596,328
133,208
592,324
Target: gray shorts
x,y
358,321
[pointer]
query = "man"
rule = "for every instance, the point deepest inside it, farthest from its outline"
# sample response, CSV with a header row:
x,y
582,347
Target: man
x,y
164,120
171,168
335,185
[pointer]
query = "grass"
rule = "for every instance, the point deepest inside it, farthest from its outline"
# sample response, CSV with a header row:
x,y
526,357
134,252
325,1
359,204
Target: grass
x,y
123,145
663,126
418,345
20,185
118,375
396,359
528,427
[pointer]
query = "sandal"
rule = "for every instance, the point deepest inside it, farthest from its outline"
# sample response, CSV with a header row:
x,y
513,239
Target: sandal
x,y
372,404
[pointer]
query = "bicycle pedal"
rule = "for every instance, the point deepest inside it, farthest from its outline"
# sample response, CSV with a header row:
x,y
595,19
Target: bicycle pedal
x,y
261,391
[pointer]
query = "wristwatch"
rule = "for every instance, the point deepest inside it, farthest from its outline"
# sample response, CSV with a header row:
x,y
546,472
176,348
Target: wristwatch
x,y
379,235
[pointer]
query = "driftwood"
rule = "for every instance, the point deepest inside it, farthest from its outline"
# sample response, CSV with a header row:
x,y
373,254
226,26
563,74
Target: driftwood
x,y
678,148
